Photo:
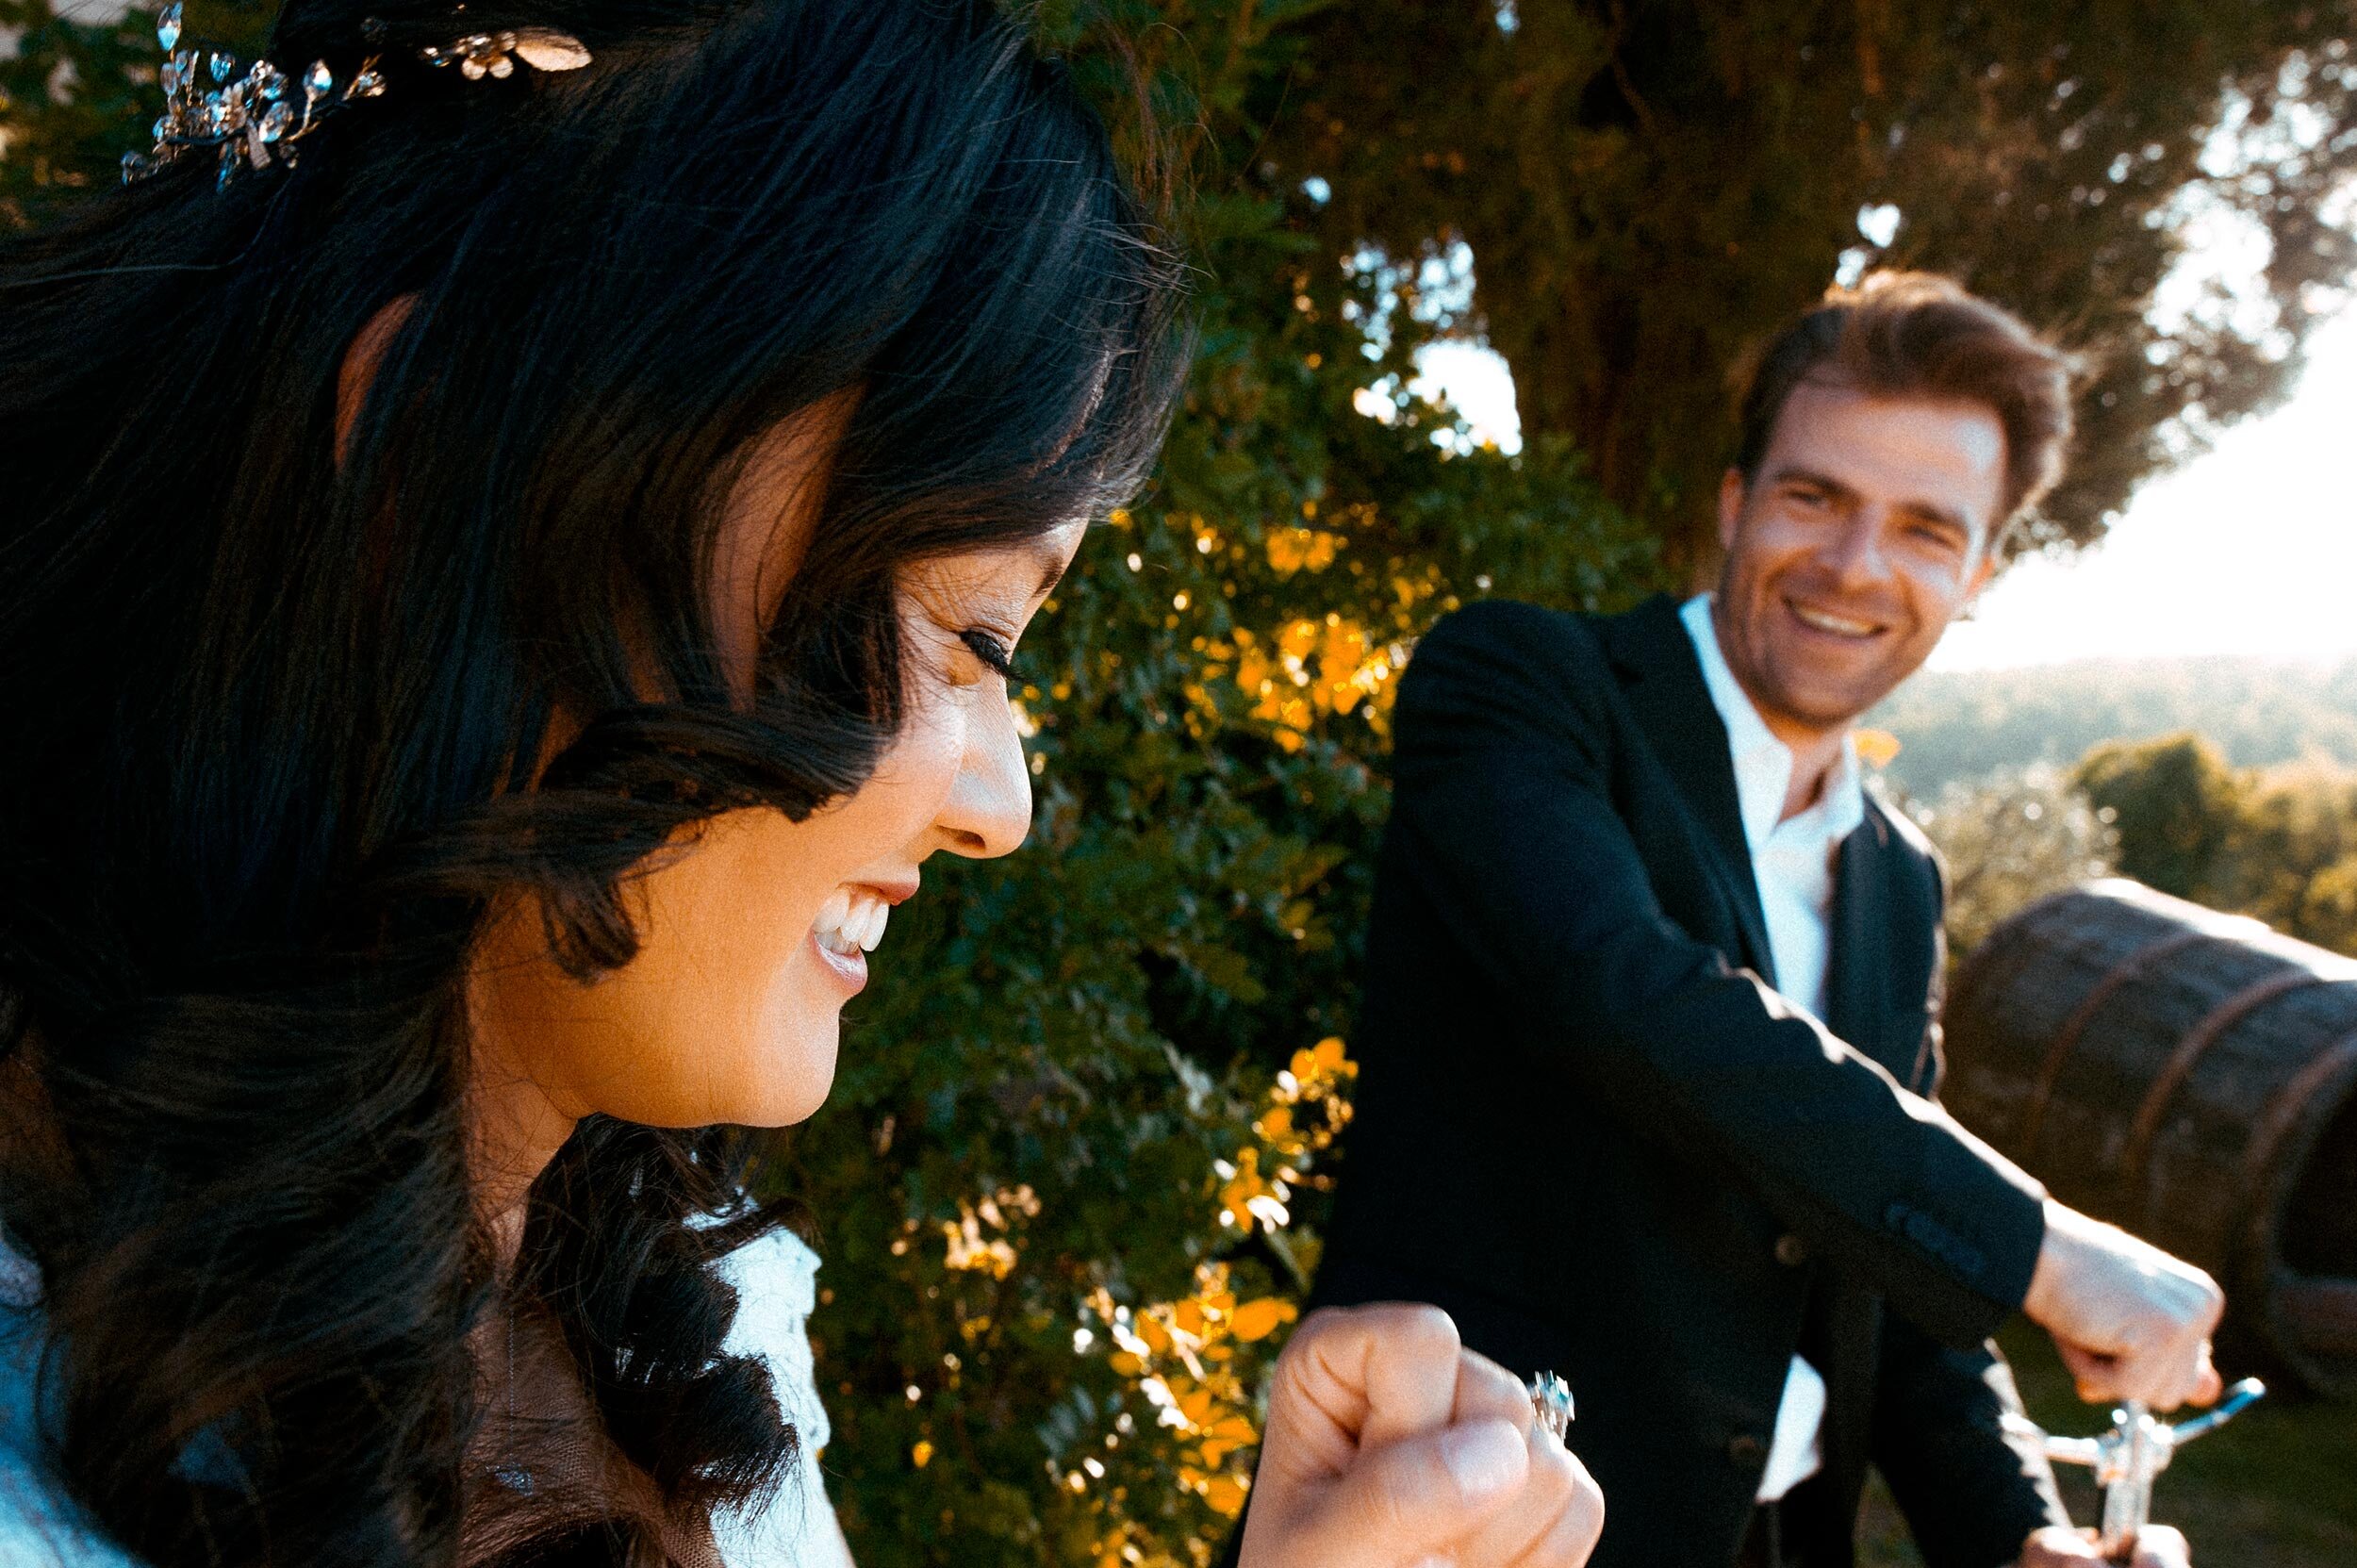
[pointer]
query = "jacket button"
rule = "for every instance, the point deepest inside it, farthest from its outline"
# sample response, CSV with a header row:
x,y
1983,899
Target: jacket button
x,y
1791,1251
1746,1451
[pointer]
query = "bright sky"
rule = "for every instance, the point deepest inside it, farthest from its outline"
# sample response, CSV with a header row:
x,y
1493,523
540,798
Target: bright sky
x,y
2252,549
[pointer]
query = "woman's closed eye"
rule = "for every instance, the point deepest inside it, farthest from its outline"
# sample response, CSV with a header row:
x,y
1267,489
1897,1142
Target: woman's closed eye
x,y
995,652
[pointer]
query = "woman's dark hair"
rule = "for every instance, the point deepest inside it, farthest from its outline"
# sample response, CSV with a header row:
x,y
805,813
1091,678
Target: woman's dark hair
x,y
274,722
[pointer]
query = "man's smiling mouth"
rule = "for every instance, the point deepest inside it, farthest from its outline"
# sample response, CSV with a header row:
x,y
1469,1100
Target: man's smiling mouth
x,y
1832,624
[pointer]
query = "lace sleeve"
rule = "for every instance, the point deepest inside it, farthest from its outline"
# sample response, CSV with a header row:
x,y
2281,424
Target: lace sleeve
x,y
777,1289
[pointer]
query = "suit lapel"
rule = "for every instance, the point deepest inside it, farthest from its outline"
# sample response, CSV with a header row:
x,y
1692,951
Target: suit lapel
x,y
1650,648
1858,979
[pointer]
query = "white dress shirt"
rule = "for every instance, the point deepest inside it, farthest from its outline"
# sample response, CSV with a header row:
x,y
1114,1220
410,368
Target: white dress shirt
x,y
1792,861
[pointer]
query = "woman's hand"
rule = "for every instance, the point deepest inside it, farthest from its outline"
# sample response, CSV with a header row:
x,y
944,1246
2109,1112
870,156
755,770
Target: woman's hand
x,y
1390,1445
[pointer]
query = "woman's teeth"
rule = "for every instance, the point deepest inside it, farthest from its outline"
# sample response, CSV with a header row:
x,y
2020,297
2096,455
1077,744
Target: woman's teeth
x,y
851,921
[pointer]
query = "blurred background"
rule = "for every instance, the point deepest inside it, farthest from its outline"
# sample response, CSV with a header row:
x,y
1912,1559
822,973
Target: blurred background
x,y
1475,279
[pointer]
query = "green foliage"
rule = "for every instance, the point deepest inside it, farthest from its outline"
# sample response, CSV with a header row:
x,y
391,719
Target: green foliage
x,y
1100,1017
1648,188
1958,726
2175,803
2280,843
2009,840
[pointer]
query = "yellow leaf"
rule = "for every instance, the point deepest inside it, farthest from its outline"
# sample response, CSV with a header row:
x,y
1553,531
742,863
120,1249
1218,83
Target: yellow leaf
x,y
1234,1430
1259,1319
1225,1495
1876,748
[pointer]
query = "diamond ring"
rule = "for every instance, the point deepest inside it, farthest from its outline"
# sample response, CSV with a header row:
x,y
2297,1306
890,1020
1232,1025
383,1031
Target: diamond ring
x,y
1550,1398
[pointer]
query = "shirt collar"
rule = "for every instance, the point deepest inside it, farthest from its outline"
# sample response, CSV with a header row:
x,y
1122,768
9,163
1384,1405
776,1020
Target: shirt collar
x,y
1763,763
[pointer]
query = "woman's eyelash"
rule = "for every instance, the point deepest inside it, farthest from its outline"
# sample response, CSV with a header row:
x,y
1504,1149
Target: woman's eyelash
x,y
988,649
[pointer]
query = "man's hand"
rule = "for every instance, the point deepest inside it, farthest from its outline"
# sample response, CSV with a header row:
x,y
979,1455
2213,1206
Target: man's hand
x,y
1390,1445
2131,1321
2157,1546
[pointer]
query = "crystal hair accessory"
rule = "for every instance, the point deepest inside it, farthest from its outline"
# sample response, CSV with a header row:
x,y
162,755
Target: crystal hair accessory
x,y
253,122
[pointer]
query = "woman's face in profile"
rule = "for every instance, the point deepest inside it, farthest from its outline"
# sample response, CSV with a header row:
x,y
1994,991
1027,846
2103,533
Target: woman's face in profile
x,y
757,933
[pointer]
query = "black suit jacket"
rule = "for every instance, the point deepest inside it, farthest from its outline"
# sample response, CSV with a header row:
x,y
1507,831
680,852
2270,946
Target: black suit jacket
x,y
1590,1130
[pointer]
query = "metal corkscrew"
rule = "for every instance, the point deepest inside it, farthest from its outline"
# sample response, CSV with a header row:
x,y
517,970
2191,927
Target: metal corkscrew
x,y
2127,1459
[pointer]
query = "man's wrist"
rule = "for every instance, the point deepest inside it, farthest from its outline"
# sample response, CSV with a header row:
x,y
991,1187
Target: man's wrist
x,y
2061,1254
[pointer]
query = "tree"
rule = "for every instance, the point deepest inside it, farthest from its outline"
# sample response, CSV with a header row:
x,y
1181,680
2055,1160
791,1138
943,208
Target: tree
x,y
2176,806
2279,844
1113,1020
1649,187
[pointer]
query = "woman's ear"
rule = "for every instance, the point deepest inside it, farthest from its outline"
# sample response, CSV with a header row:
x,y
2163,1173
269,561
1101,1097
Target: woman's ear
x,y
359,369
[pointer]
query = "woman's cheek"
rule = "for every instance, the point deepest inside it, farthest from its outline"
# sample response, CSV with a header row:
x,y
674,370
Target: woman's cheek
x,y
716,1018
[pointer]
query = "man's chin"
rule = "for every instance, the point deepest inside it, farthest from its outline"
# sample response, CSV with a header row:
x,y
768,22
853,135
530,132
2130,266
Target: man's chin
x,y
1832,698
1827,708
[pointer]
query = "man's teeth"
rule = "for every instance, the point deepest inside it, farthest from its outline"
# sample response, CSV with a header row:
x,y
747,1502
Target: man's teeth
x,y
851,920
1839,626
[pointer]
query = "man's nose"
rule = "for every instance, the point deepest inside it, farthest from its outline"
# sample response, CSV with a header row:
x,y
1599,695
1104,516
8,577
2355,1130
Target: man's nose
x,y
988,813
1855,556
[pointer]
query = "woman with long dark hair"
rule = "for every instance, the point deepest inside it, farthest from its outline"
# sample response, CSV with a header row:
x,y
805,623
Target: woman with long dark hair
x,y
517,523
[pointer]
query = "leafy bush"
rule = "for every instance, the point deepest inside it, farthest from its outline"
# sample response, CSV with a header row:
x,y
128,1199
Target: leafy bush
x,y
2278,843
2010,840
1136,1025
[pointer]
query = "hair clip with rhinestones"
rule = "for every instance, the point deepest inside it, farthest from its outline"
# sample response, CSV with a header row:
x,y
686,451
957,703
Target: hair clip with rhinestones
x,y
252,123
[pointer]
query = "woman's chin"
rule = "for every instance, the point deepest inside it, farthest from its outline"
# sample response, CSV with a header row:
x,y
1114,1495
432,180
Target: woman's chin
x,y
801,1072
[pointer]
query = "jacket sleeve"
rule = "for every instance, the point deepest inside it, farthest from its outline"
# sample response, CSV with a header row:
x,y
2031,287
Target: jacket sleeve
x,y
1504,805
1972,1492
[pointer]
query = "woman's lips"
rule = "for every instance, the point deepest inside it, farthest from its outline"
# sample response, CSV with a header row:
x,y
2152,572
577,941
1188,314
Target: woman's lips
x,y
851,969
852,922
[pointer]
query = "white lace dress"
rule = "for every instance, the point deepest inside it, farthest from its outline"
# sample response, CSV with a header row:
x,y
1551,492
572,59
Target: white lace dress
x,y
777,1289
776,1285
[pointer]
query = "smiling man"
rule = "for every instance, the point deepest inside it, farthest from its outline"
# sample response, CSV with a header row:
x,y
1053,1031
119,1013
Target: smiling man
x,y
1651,1034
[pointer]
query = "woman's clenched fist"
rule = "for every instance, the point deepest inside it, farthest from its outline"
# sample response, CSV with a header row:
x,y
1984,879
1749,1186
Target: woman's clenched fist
x,y
1390,1445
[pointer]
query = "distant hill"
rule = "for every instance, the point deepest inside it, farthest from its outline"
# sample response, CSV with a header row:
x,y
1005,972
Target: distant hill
x,y
2257,710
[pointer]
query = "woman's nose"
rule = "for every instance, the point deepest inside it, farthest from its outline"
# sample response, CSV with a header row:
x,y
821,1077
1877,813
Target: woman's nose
x,y
989,809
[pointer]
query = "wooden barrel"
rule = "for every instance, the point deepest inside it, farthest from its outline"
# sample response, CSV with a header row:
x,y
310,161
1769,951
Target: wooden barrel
x,y
2192,1076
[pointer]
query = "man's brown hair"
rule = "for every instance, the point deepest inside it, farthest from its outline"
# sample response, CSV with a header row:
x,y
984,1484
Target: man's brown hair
x,y
1916,335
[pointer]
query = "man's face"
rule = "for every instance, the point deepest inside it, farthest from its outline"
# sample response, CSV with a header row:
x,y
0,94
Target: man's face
x,y
1863,535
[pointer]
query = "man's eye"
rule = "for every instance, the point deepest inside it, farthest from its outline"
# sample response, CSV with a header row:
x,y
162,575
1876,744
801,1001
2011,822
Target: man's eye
x,y
993,653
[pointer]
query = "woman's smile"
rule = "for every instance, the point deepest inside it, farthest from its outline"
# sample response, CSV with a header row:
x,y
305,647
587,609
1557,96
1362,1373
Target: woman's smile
x,y
849,925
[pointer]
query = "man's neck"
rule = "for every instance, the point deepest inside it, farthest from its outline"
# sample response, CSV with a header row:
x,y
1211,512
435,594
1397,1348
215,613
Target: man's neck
x,y
1815,758
1816,748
